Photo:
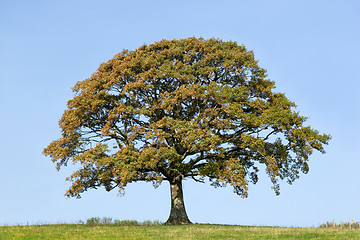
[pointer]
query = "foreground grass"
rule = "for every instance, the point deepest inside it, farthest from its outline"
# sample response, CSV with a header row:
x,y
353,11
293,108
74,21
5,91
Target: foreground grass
x,y
195,231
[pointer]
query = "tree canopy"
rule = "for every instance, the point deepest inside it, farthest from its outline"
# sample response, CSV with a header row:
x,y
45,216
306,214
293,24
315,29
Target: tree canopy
x,y
188,108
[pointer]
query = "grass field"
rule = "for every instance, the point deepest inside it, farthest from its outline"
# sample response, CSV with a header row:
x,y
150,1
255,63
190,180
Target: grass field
x,y
195,231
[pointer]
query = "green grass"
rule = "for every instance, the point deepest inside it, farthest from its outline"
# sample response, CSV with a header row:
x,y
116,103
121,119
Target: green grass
x,y
158,232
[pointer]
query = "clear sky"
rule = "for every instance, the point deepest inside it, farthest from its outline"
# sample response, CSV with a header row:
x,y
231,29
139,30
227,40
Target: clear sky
x,y
310,49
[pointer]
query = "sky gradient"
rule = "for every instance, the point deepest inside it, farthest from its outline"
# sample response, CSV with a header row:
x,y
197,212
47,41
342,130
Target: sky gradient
x,y
310,49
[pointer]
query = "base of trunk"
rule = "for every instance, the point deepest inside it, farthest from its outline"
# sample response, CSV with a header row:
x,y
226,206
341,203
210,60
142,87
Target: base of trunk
x,y
178,214
177,222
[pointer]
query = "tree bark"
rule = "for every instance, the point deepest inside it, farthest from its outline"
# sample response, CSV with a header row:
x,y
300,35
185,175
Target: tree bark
x,y
178,214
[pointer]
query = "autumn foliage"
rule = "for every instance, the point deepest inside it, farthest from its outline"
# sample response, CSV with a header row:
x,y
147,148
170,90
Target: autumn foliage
x,y
189,108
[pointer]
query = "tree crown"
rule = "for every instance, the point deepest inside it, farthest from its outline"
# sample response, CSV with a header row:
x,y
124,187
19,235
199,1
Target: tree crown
x,y
189,108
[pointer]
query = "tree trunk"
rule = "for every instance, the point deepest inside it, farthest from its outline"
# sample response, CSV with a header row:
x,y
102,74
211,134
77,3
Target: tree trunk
x,y
178,213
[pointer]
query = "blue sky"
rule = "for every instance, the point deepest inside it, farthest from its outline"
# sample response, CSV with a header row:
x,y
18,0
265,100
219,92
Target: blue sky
x,y
310,49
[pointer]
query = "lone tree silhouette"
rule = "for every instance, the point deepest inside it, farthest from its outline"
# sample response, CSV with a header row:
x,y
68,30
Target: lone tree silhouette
x,y
189,108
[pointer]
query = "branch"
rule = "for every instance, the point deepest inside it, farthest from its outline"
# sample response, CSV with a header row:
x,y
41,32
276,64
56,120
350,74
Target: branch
x,y
197,180
267,136
199,165
164,172
193,161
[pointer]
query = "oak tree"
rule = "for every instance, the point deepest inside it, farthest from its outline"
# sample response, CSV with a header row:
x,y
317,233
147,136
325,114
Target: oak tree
x,y
189,108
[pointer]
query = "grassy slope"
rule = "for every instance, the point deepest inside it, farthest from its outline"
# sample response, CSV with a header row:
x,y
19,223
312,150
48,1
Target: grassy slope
x,y
188,232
